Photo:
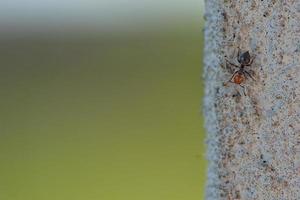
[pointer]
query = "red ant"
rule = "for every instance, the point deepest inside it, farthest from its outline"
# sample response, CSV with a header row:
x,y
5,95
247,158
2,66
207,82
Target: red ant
x,y
239,76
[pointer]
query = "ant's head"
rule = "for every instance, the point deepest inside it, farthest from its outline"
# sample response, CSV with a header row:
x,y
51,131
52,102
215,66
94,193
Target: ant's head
x,y
244,58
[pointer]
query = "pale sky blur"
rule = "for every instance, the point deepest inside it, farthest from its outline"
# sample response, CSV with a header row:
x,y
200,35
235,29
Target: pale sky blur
x,y
93,14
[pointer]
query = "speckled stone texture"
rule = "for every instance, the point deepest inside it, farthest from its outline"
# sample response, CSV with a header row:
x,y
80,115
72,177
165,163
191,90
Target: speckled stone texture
x,y
253,138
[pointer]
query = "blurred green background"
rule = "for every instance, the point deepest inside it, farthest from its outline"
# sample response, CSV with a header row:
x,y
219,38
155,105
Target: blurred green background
x,y
105,110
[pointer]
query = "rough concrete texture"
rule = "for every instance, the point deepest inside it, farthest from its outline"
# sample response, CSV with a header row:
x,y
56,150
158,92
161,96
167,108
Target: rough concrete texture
x,y
253,139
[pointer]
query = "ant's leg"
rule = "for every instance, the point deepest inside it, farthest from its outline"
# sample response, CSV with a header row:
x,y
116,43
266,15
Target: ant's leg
x,y
232,63
249,75
239,54
250,63
227,66
230,80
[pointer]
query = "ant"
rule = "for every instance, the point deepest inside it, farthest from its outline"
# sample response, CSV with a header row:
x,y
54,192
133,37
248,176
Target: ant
x,y
239,76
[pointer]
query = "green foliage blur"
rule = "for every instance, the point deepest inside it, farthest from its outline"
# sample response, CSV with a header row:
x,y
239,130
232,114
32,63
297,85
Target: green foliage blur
x,y
107,117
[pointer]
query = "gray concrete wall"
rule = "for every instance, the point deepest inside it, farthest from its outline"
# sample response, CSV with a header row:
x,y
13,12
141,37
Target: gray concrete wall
x,y
253,138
